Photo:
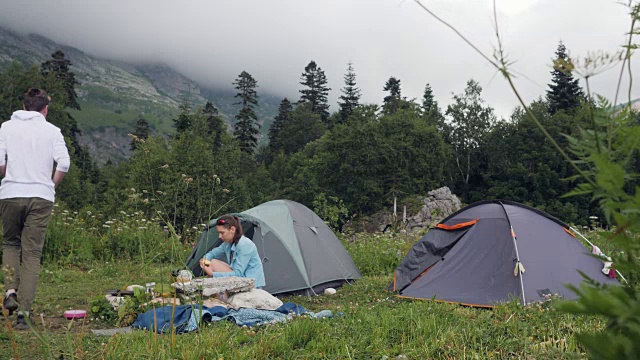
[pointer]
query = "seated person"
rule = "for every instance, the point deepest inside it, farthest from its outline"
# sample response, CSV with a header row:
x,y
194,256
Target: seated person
x,y
241,253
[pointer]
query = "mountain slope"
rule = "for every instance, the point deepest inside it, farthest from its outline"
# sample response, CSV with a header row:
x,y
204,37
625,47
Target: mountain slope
x,y
112,94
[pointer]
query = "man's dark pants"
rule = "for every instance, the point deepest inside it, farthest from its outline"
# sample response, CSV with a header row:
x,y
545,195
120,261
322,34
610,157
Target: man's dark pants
x,y
24,222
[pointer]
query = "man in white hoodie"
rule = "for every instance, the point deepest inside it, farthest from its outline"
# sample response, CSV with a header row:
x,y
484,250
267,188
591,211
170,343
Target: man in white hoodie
x,y
29,146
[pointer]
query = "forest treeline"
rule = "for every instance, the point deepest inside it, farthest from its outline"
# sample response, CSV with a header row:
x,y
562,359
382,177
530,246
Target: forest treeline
x,y
346,163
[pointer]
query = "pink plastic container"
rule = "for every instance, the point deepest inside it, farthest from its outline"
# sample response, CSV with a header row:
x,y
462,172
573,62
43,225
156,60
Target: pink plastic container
x,y
75,314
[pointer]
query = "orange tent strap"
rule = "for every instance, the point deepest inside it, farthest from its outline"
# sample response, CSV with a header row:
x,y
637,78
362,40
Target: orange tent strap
x,y
569,232
457,226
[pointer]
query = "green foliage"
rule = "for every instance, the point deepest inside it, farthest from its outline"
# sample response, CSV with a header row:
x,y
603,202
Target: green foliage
x,y
303,127
369,159
522,165
331,209
79,237
471,122
377,254
179,179
607,152
102,310
132,306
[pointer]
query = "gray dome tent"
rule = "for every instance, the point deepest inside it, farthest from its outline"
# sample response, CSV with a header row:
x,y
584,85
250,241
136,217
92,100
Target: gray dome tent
x,y
476,257
300,253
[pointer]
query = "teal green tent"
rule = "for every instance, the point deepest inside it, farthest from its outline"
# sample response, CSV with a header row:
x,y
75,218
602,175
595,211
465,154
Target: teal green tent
x,y
300,253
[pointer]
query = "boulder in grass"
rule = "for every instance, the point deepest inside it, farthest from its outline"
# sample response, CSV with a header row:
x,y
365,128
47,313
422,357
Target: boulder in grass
x,y
255,299
329,291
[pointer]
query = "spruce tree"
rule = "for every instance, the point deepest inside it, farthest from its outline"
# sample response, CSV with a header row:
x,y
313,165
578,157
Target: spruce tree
x,y
141,131
428,101
215,124
60,66
279,122
393,101
316,90
58,69
430,109
183,122
565,93
246,129
350,95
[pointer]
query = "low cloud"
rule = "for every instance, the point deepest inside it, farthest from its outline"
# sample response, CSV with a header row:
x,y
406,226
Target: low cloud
x,y
213,41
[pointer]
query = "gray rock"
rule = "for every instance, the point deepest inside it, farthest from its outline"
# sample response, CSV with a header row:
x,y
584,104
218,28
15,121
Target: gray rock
x,y
255,299
214,286
437,205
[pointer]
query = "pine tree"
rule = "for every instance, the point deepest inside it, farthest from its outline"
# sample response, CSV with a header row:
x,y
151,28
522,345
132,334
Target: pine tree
x,y
141,132
428,101
60,66
246,129
350,95
215,124
279,122
393,101
317,91
183,122
430,109
565,93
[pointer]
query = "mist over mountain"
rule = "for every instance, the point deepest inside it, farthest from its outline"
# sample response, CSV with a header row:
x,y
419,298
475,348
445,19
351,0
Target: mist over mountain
x,y
112,94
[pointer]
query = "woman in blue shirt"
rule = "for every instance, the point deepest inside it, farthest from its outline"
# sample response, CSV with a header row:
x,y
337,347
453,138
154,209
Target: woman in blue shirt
x,y
241,253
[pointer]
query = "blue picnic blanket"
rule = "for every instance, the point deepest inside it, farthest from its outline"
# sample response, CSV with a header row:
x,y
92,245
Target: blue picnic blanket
x,y
187,318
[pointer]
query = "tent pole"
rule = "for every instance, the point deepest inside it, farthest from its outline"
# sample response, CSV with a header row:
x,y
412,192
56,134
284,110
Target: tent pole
x,y
515,245
590,243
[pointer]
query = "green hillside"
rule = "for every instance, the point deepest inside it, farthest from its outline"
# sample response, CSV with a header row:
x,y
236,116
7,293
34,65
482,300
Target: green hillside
x,y
112,94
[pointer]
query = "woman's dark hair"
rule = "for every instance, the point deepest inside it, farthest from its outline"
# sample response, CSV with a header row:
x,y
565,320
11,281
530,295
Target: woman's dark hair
x,y
36,100
228,221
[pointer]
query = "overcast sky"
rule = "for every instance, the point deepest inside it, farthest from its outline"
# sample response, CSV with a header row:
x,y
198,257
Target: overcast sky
x,y
212,41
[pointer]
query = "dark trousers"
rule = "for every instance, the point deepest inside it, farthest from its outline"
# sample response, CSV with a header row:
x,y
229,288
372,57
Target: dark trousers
x,y
24,222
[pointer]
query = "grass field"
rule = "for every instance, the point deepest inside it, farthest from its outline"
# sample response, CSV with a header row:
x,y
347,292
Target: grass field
x,y
375,324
